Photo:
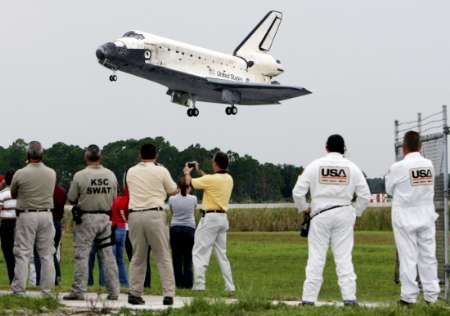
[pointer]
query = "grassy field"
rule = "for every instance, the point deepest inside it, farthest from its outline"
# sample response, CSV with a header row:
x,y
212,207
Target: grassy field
x,y
288,219
271,266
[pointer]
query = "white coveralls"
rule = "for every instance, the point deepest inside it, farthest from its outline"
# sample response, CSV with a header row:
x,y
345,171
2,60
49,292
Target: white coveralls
x,y
411,183
332,181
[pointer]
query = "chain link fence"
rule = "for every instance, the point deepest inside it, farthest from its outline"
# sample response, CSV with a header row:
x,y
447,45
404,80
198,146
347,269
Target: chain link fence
x,y
433,130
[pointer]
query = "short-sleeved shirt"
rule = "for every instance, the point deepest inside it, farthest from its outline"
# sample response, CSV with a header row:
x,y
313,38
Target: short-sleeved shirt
x,y
93,188
120,204
183,208
7,204
148,186
34,185
217,190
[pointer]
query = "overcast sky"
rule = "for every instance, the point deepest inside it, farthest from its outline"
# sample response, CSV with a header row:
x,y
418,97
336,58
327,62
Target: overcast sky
x,y
366,62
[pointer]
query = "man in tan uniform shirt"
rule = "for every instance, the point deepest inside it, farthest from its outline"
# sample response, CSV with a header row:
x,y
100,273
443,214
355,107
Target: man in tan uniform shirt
x,y
33,187
149,184
93,190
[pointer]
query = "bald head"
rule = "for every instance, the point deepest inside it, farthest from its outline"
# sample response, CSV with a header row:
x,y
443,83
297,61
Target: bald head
x,y
35,151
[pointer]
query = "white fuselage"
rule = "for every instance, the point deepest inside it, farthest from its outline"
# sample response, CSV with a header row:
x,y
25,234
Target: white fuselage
x,y
203,62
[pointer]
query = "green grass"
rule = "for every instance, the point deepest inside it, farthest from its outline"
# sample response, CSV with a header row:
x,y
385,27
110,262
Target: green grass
x,y
272,266
9,303
253,307
288,219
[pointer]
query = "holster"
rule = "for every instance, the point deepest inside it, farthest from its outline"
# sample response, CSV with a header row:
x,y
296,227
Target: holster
x,y
77,214
304,227
101,243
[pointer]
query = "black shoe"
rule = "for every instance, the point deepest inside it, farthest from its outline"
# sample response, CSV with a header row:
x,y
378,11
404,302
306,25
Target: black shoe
x,y
135,300
306,303
351,303
73,297
168,300
405,303
112,297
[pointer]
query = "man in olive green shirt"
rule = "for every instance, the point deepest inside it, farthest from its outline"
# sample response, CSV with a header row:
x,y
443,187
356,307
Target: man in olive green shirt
x,y
93,190
33,187
213,226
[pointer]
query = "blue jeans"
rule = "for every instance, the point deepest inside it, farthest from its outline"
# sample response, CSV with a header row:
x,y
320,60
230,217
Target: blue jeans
x,y
118,248
101,279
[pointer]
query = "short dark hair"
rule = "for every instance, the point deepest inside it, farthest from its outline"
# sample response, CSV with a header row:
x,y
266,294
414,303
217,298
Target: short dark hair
x,y
412,141
221,159
93,153
336,143
148,151
9,176
35,151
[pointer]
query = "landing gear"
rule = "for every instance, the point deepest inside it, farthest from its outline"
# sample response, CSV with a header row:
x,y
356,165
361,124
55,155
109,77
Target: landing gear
x,y
231,110
193,112
113,78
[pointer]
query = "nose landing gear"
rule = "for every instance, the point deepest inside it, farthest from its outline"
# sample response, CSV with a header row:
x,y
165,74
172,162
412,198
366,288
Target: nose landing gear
x,y
193,112
113,78
231,110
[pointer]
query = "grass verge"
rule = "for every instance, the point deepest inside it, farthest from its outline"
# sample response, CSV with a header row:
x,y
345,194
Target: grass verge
x,y
11,304
200,307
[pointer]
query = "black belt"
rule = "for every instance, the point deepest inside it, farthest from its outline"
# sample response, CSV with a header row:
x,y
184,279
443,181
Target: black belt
x,y
96,212
146,210
18,211
204,212
328,209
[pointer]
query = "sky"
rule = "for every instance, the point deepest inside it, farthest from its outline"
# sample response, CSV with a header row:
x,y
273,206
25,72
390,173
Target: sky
x,y
366,62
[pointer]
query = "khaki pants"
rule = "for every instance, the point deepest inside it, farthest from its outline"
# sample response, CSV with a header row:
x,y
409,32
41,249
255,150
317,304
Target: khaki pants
x,y
150,229
94,226
31,229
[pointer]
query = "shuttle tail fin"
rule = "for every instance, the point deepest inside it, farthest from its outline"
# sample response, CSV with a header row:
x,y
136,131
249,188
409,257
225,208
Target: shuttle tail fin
x,y
262,36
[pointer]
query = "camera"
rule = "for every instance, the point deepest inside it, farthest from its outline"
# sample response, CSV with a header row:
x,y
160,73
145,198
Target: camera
x,y
192,164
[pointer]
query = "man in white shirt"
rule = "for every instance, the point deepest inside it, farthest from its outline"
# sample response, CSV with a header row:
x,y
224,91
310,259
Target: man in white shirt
x,y
411,183
332,181
8,224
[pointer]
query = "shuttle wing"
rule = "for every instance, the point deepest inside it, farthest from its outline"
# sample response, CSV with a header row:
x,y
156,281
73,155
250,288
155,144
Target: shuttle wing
x,y
257,93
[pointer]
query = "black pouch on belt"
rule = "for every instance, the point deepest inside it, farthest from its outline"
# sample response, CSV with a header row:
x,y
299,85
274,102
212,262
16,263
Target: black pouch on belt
x,y
77,213
304,227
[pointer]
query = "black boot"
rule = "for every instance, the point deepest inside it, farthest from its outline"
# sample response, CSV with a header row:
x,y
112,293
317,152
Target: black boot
x,y
168,300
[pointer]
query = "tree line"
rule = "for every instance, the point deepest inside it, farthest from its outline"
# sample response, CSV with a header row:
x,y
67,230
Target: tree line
x,y
254,181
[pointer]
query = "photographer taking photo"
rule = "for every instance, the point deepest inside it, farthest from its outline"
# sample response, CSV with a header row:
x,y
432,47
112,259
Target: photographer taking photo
x,y
213,226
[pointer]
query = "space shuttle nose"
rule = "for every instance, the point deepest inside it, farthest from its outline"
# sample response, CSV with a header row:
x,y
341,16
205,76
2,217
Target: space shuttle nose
x,y
106,51
100,53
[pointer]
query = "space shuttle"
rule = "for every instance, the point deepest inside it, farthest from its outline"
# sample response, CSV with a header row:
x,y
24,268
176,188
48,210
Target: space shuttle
x,y
192,73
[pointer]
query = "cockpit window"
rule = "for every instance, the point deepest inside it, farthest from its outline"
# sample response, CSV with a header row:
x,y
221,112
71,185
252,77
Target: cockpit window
x,y
134,35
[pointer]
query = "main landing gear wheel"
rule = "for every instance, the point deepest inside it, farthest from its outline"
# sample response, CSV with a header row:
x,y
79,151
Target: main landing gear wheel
x,y
193,112
231,110
113,78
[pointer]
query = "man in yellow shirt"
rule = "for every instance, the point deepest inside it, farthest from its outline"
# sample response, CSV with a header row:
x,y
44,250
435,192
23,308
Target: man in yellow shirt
x,y
213,226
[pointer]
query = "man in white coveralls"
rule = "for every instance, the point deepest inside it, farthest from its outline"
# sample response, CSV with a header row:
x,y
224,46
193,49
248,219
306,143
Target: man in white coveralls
x,y
332,181
411,183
